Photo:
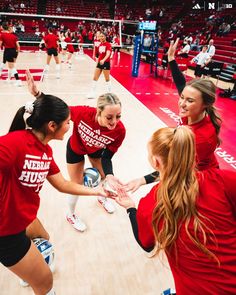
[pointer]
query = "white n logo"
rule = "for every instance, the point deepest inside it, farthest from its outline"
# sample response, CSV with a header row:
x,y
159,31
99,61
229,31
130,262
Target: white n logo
x,y
211,5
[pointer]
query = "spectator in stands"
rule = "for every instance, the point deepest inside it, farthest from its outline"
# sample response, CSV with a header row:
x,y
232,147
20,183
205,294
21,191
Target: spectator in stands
x,y
211,48
202,59
195,45
185,50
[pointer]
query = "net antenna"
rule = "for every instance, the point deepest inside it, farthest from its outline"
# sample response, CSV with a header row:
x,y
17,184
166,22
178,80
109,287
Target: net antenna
x,y
68,20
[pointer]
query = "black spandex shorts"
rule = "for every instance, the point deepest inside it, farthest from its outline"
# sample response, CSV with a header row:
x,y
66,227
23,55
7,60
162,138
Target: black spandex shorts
x,y
52,51
13,248
72,157
10,54
105,66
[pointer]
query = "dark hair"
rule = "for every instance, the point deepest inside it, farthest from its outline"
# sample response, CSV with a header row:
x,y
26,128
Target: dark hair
x,y
45,109
5,26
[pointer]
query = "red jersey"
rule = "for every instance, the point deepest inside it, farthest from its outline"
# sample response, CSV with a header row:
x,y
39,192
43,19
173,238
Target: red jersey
x,y
8,40
206,142
96,44
194,270
70,47
88,136
102,50
51,41
25,163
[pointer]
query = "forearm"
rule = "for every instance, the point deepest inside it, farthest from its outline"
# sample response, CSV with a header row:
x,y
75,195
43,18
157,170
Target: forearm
x,y
177,75
133,220
107,166
150,178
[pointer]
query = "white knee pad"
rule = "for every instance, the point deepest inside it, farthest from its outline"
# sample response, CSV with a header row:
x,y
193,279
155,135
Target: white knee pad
x,y
13,71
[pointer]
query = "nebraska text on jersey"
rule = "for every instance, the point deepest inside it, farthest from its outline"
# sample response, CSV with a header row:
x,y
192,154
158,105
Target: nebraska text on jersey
x,y
91,137
35,170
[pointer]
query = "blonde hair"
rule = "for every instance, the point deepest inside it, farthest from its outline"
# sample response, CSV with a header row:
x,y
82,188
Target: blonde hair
x,y
178,190
107,99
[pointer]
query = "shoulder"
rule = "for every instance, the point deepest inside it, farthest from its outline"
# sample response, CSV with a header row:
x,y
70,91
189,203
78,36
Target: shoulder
x,y
149,201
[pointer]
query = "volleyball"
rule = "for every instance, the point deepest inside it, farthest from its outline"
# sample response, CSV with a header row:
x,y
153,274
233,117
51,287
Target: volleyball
x,y
92,177
46,249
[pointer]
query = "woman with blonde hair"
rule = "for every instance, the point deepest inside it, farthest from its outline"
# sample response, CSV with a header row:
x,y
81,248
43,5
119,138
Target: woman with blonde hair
x,y
98,133
190,215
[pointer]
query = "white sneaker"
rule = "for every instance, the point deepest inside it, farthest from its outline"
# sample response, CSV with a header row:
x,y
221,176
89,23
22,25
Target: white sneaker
x,y
106,204
23,283
18,83
76,222
91,95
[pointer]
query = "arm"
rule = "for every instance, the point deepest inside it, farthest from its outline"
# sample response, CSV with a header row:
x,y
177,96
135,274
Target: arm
x,y
128,203
32,86
108,53
177,75
69,187
133,185
17,46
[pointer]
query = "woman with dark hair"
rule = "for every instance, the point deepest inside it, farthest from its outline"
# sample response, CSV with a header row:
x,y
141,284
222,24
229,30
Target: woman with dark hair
x,y
189,214
103,54
26,161
196,110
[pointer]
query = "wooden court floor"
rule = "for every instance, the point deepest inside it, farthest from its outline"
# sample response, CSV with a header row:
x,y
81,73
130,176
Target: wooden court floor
x,y
105,259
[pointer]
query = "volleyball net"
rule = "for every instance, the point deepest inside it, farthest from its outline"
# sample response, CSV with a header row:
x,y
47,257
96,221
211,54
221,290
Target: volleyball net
x,y
29,28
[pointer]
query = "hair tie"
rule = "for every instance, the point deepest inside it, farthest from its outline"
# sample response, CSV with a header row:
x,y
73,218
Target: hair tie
x,y
29,107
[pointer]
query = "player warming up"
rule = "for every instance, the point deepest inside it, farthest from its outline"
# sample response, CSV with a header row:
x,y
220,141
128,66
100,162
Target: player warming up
x,y
97,133
103,65
190,215
11,49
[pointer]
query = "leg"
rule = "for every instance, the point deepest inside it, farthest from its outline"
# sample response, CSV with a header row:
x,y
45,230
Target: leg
x,y
96,76
106,203
33,269
37,230
75,172
106,74
56,57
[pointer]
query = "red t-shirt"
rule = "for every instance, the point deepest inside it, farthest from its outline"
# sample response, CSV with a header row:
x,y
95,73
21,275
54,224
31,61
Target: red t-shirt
x,y
70,47
194,272
96,44
25,163
8,40
88,136
102,50
51,41
206,142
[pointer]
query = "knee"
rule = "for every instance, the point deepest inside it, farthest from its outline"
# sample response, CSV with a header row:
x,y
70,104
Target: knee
x,y
44,284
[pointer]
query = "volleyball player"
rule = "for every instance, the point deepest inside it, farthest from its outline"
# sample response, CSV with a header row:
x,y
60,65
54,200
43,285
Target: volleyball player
x,y
196,110
70,48
103,65
97,133
96,43
26,161
190,214
11,49
52,46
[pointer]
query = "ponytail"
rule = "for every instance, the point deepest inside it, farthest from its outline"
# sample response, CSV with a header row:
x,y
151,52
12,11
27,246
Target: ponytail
x,y
18,122
178,190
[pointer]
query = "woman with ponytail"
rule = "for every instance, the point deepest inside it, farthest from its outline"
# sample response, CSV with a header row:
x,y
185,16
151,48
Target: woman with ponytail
x,y
189,214
196,110
26,161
